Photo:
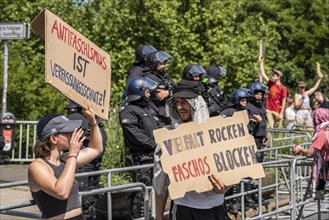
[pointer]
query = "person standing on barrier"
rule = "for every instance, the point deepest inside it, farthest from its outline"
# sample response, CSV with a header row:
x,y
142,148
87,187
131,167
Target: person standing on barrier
x,y
138,121
302,100
51,175
74,112
239,100
276,97
319,149
184,106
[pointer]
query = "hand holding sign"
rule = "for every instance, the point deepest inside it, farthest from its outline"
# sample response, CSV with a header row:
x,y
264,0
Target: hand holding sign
x,y
221,146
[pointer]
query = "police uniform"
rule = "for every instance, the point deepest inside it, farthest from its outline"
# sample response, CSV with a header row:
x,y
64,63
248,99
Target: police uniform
x,y
259,132
138,121
165,83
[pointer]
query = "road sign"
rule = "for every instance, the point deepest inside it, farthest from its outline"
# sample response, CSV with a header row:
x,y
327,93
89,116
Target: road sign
x,y
14,31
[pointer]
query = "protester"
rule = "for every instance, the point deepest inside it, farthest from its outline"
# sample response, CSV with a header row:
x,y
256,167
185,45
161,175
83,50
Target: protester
x,y
319,148
51,175
138,121
74,112
276,97
321,102
302,100
155,69
188,105
290,113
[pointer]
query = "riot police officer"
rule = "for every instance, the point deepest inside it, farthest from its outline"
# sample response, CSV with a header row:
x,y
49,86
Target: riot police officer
x,y
257,110
239,99
141,53
194,72
74,111
155,69
138,121
216,96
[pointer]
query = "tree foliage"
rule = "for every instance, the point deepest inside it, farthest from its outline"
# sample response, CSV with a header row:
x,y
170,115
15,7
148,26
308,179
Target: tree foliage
x,y
295,35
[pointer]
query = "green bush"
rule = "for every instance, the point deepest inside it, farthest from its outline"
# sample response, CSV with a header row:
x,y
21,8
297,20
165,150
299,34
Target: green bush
x,y
115,151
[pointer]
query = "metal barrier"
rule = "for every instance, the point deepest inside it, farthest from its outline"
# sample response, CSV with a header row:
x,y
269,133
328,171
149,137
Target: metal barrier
x,y
25,140
292,175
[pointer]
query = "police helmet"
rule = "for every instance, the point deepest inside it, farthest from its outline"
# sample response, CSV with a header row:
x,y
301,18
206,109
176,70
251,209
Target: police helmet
x,y
73,107
192,70
142,52
256,87
137,86
214,73
156,57
239,94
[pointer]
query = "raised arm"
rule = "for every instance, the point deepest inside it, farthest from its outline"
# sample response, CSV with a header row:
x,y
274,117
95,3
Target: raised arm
x,y
262,69
316,85
41,177
95,145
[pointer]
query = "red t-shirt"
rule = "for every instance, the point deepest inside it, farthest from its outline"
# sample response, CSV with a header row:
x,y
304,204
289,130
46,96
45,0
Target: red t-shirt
x,y
275,96
321,142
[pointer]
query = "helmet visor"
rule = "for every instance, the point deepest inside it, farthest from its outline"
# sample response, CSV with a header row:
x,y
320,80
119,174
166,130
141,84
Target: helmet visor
x,y
150,84
148,49
198,70
222,71
162,57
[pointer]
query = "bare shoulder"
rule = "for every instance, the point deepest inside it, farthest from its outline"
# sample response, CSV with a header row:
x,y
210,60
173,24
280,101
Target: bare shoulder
x,y
38,166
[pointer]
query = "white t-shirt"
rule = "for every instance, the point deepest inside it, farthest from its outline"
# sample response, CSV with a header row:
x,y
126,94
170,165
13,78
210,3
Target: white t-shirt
x,y
205,200
290,117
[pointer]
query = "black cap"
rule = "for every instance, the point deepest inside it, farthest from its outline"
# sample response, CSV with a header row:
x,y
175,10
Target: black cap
x,y
187,89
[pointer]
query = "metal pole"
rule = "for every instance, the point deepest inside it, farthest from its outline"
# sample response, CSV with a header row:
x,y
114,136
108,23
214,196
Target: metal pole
x,y
260,54
5,78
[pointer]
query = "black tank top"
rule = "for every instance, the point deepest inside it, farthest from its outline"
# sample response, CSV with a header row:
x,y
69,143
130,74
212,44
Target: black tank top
x,y
51,206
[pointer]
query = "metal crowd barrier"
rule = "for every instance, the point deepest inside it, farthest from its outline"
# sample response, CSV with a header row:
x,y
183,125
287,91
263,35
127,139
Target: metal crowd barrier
x,y
292,177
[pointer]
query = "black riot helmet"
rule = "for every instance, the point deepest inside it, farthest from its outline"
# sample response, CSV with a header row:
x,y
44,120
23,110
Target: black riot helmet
x,y
214,73
142,52
239,94
256,87
157,57
137,86
72,107
193,70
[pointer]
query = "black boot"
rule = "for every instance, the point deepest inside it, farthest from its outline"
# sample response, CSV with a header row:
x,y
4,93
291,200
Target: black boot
x,y
234,203
248,198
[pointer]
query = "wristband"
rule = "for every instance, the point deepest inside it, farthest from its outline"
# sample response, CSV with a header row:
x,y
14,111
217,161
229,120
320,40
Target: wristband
x,y
76,157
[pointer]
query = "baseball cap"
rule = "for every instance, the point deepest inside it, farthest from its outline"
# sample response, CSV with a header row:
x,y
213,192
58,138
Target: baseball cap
x,y
55,123
187,89
277,72
301,84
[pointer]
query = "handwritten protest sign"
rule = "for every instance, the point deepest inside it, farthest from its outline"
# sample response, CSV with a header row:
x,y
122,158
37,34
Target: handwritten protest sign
x,y
74,65
221,146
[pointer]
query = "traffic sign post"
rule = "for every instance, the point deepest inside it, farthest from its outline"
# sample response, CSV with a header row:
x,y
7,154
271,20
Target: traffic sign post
x,y
10,31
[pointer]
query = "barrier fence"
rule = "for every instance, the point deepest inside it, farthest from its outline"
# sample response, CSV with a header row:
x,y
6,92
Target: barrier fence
x,y
291,182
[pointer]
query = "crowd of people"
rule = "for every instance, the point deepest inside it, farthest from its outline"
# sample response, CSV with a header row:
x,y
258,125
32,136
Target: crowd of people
x,y
152,100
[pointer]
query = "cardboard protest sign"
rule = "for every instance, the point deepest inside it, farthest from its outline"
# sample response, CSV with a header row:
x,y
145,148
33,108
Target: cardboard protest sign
x,y
221,146
74,65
